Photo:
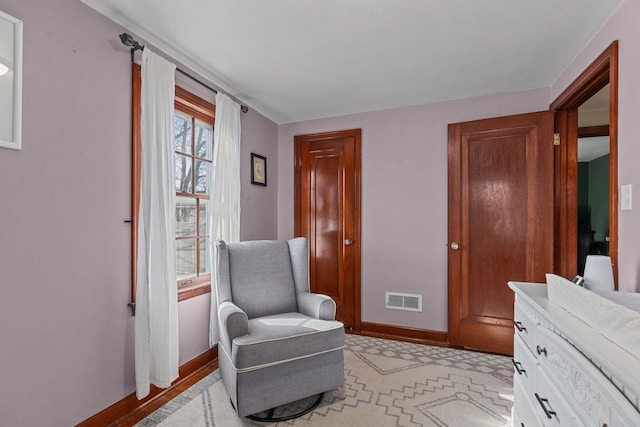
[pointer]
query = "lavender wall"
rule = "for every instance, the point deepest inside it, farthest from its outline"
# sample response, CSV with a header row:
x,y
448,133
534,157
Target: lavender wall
x,y
404,197
259,217
622,26
65,332
66,335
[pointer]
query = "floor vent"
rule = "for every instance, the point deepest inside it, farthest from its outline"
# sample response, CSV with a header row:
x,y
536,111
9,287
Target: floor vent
x,y
410,302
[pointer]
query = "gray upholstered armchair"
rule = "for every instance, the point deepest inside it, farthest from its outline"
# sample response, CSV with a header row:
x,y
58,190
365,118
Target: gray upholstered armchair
x,y
278,342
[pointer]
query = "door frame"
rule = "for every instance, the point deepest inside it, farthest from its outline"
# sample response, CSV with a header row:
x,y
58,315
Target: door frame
x,y
603,70
357,134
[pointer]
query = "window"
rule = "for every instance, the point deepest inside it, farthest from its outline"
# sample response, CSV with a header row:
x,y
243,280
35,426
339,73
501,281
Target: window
x,y
193,147
193,144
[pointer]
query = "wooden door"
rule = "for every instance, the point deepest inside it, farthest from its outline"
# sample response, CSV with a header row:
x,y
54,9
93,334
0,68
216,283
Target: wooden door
x,y
500,222
327,212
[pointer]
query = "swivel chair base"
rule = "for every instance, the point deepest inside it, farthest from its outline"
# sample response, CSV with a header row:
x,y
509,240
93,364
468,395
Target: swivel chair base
x,y
270,418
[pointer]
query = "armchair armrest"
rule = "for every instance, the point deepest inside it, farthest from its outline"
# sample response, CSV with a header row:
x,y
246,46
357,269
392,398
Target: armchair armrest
x,y
233,323
317,306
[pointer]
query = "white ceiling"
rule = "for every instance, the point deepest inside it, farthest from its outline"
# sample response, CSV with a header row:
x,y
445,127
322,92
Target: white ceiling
x,y
592,148
294,60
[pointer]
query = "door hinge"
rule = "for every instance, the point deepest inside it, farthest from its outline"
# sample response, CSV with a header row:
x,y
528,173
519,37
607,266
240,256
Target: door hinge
x,y
556,139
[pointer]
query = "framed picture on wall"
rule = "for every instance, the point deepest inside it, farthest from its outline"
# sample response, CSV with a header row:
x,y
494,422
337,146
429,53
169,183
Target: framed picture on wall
x,y
258,169
10,82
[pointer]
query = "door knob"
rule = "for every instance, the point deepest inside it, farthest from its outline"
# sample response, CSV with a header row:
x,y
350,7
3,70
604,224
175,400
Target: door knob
x,y
347,242
454,246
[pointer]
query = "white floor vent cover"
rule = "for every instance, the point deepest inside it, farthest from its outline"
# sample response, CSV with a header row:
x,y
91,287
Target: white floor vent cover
x,y
398,301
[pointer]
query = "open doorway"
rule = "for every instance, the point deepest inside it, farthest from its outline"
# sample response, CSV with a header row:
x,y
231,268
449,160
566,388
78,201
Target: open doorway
x,y
592,96
593,177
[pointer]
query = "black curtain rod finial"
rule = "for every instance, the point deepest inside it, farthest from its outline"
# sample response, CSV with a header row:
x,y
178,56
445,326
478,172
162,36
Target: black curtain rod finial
x,y
127,40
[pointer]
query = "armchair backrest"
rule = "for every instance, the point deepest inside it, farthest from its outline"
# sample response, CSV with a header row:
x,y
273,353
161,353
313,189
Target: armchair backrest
x,y
258,276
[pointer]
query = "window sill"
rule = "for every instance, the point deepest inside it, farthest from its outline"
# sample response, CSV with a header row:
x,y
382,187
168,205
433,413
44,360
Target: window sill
x,y
186,293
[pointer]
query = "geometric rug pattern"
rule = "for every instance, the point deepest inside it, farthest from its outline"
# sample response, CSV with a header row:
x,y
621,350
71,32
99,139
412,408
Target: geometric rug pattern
x,y
387,383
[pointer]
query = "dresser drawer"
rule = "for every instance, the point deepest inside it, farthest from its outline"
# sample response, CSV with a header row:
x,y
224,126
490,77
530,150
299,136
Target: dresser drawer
x,y
586,389
524,365
551,407
525,325
523,413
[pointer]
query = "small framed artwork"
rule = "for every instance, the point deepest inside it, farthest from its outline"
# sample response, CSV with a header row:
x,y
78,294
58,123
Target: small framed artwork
x,y
10,82
258,169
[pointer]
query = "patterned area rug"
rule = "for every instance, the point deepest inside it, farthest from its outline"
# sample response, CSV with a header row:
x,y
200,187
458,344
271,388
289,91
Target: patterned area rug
x,y
387,383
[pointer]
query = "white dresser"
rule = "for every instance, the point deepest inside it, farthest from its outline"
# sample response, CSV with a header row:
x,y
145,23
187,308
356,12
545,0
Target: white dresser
x,y
566,373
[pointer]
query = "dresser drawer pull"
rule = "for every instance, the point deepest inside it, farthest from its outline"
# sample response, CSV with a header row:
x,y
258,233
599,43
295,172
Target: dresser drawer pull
x,y
519,326
541,401
519,369
541,350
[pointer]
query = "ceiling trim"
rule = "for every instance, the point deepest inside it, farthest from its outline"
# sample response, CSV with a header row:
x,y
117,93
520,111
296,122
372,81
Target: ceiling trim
x,y
169,50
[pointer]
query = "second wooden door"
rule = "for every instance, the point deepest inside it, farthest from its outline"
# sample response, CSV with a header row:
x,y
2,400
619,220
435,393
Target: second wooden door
x,y
500,222
327,212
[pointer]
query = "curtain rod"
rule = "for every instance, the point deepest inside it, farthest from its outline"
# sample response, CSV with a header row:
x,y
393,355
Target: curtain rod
x,y
127,40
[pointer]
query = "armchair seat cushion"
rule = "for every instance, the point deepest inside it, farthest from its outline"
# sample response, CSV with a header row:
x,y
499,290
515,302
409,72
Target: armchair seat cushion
x,y
285,337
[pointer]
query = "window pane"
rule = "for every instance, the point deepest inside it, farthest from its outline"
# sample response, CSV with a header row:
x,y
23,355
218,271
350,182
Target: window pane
x,y
185,258
185,217
182,129
203,141
203,169
205,261
184,182
204,217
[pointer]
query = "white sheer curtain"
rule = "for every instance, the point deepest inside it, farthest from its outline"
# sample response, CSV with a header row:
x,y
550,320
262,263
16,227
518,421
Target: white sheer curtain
x,y
225,185
156,323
